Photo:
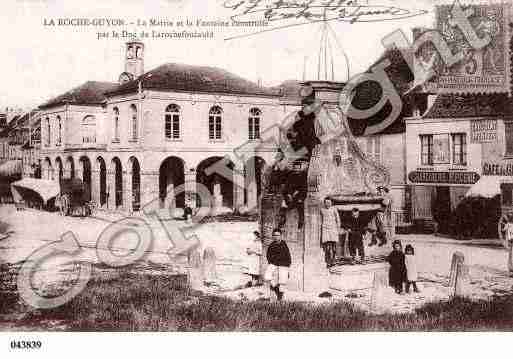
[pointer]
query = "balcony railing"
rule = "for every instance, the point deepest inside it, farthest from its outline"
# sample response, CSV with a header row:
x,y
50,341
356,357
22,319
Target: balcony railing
x,y
82,146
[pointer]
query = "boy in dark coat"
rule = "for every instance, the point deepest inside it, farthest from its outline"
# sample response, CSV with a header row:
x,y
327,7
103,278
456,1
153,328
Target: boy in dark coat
x,y
397,273
356,231
278,257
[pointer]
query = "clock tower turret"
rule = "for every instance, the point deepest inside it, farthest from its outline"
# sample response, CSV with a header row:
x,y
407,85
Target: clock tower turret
x,y
134,61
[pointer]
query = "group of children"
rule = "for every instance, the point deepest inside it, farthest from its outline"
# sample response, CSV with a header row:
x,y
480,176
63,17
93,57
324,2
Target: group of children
x,y
278,259
403,268
403,272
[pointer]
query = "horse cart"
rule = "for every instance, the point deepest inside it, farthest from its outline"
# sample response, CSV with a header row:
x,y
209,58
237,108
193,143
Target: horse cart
x,y
75,198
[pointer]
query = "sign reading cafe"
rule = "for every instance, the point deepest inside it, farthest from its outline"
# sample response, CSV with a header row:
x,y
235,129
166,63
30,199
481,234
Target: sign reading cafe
x,y
495,169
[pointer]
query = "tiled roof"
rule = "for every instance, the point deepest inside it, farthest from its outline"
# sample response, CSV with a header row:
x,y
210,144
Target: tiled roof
x,y
482,105
188,78
90,93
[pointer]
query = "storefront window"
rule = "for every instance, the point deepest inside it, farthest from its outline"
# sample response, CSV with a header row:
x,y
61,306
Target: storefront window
x,y
506,192
459,149
508,128
426,143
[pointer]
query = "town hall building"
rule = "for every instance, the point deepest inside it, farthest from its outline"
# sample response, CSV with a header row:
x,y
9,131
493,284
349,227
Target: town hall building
x,y
137,140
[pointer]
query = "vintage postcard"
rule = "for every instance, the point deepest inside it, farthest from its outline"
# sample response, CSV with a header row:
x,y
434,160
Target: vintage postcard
x,y
255,165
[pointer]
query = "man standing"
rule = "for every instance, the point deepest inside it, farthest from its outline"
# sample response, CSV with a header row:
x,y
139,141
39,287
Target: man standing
x,y
356,228
278,257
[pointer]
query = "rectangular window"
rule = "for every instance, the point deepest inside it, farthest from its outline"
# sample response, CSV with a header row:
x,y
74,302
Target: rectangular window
x,y
176,126
218,128
173,126
134,127
459,149
48,132
253,128
426,150
214,127
508,128
116,128
168,129
211,128
373,148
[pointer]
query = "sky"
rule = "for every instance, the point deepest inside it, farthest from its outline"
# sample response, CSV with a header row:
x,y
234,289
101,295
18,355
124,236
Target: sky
x,y
39,62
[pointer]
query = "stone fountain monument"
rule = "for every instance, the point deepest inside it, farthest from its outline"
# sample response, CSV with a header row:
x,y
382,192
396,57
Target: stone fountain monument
x,y
334,167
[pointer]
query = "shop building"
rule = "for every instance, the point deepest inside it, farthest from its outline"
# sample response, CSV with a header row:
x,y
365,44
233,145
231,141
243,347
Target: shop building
x,y
452,146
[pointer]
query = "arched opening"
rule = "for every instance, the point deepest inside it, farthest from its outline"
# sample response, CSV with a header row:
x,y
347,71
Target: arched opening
x,y
254,169
116,124
136,184
171,175
59,130
102,169
86,175
47,169
133,120
59,167
118,182
220,187
70,168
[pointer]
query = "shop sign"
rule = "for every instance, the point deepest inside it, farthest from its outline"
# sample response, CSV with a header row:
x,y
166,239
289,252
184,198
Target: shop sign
x,y
455,177
483,131
498,169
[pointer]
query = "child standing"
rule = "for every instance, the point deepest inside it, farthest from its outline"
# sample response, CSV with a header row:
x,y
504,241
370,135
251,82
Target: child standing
x,y
411,268
397,273
254,252
278,257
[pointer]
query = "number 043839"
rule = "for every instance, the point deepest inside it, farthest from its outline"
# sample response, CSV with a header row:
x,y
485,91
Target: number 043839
x,y
25,345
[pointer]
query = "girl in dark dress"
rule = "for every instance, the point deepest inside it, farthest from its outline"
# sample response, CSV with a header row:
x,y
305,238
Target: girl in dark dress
x,y
397,273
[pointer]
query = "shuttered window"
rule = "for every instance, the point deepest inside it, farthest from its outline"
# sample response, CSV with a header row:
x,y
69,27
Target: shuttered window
x,y
426,150
509,138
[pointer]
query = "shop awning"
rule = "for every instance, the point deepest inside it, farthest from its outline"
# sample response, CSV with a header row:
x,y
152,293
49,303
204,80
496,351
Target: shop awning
x,y
47,189
488,186
10,168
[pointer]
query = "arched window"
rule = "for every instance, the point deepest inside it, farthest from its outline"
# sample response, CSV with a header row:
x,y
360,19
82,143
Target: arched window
x,y
254,123
215,123
48,131
172,121
89,129
133,118
59,134
116,124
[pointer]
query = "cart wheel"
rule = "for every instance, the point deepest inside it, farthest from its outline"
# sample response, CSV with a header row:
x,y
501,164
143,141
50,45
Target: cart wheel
x,y
501,229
